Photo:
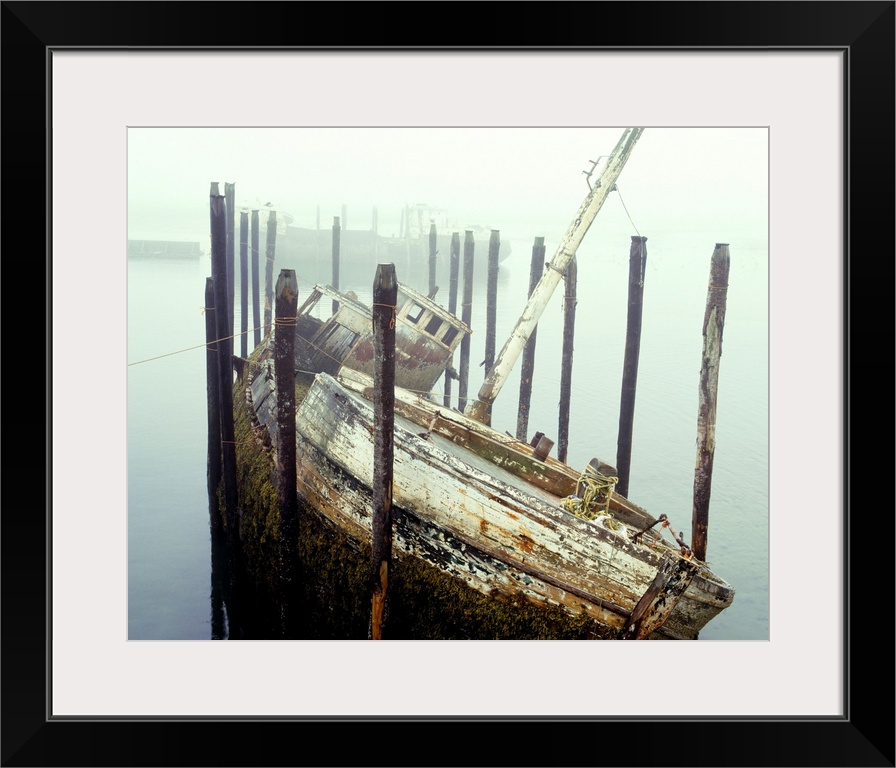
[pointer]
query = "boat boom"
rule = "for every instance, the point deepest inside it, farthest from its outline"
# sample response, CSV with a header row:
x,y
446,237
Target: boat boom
x,y
494,380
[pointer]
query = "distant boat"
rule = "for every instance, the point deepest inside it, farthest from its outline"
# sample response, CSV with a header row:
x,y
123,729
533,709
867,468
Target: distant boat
x,y
419,219
308,247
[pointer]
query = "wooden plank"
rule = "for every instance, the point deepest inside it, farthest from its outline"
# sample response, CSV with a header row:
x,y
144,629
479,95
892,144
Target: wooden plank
x,y
657,603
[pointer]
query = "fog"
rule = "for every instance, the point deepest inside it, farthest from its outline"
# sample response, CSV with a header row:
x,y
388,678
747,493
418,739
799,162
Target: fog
x,y
523,181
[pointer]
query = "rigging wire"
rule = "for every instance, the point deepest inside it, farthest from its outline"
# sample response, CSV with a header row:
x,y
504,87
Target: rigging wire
x,y
626,210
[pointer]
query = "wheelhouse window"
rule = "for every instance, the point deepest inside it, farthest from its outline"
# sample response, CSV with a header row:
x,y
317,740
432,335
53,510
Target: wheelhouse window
x,y
450,334
432,327
415,312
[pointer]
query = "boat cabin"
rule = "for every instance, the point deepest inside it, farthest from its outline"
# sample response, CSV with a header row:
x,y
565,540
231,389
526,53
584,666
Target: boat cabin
x,y
426,336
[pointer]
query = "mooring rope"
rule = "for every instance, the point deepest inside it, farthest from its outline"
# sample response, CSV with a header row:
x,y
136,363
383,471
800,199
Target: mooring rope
x,y
197,346
293,321
207,344
393,307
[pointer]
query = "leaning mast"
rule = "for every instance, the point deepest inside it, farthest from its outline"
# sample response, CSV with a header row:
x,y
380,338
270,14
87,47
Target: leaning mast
x,y
497,376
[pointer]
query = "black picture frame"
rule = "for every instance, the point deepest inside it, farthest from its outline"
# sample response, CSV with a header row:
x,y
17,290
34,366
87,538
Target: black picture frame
x,y
864,736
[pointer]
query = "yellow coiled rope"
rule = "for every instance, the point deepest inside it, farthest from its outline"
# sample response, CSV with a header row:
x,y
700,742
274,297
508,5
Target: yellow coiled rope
x,y
593,495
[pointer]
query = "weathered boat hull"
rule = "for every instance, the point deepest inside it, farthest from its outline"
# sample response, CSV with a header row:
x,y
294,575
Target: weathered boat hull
x,y
477,520
494,514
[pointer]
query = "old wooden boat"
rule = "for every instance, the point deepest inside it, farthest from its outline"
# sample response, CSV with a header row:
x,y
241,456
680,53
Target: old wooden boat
x,y
497,515
491,512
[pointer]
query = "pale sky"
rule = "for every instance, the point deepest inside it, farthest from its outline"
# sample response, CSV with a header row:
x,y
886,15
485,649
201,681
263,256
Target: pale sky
x,y
507,178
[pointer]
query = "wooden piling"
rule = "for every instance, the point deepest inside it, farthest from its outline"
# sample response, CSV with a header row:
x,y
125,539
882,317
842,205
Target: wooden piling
x,y
637,263
229,198
385,297
454,279
213,192
527,367
271,231
217,589
287,302
214,405
454,270
570,278
466,313
335,257
244,284
491,300
433,241
256,279
225,365
713,326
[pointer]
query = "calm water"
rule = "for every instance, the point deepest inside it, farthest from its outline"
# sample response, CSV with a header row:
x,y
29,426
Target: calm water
x,y
169,554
